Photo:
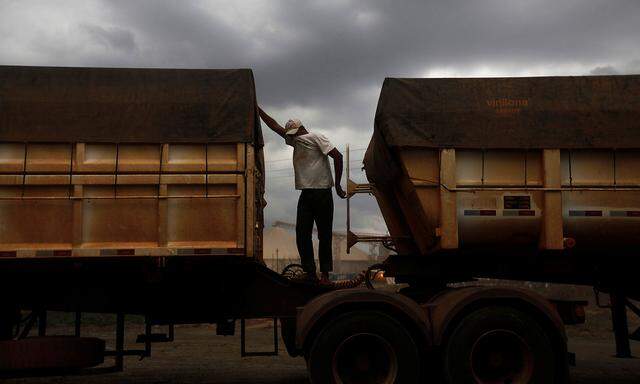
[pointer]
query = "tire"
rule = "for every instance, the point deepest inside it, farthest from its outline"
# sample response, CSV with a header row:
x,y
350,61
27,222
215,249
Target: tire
x,y
364,347
499,345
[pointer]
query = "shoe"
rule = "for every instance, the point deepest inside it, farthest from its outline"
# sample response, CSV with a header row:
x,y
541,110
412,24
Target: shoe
x,y
324,279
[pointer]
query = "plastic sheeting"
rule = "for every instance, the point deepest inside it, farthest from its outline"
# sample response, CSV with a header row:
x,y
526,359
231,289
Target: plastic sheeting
x,y
58,104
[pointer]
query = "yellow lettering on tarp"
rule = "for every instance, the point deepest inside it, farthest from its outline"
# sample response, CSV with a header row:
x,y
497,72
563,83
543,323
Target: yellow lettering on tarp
x,y
507,106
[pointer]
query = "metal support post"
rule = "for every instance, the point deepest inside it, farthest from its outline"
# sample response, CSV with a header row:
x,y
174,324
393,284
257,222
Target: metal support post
x,y
620,325
42,323
119,352
171,332
147,339
78,323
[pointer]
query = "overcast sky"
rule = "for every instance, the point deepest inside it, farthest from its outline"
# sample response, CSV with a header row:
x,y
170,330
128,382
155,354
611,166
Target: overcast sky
x,y
324,61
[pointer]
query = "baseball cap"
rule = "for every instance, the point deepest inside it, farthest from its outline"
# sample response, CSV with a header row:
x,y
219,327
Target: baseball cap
x,y
292,126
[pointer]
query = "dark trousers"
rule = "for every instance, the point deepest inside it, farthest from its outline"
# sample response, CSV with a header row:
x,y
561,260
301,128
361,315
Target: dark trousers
x,y
315,205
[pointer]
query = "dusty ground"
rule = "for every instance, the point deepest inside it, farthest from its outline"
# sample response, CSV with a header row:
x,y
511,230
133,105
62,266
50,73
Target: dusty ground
x,y
595,350
198,356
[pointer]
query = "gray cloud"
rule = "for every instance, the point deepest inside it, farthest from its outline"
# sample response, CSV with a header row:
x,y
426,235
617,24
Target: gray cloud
x,y
632,67
604,70
114,38
324,60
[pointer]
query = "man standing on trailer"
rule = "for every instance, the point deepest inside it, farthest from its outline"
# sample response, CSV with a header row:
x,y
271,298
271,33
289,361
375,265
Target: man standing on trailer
x,y
311,152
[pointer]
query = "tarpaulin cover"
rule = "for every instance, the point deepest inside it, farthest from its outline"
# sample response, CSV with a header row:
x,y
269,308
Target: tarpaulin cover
x,y
58,104
534,112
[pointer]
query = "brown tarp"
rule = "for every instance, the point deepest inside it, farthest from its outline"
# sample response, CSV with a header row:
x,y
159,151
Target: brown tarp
x,y
59,104
534,112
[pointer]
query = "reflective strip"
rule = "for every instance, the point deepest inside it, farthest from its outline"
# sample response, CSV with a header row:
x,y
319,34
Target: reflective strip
x,y
209,251
53,253
479,212
624,213
117,252
113,252
190,251
585,213
519,212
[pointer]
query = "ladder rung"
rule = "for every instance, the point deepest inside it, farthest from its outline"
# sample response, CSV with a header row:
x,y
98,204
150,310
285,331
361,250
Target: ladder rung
x,y
353,238
353,188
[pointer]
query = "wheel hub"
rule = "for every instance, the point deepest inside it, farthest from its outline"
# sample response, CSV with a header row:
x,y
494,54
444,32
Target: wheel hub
x,y
501,356
365,358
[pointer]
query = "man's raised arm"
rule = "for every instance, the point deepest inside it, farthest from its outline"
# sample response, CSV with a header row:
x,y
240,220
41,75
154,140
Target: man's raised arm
x,y
271,123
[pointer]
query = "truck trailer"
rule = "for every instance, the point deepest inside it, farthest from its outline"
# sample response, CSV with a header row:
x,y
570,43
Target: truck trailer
x,y
131,191
140,191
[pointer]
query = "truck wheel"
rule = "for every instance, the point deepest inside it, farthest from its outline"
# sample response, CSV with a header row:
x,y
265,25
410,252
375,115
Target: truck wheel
x,y
364,347
499,345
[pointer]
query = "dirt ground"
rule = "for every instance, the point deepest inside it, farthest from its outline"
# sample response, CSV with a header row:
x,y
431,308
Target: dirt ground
x,y
199,356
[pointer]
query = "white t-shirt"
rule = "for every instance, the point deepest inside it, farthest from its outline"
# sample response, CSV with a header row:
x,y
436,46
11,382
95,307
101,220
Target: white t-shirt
x,y
310,161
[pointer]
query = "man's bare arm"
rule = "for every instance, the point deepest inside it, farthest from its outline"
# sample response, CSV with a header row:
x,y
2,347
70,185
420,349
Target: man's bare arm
x,y
337,166
271,123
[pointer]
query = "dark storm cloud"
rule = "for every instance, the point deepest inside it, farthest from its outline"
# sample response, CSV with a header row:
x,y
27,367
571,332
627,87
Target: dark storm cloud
x,y
332,55
180,34
328,49
324,61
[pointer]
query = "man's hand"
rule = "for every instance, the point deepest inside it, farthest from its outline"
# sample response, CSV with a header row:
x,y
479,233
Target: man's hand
x,y
340,192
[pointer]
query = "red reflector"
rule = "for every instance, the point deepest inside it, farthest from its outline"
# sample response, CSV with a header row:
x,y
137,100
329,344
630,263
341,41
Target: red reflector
x,y
569,242
487,212
62,252
126,252
633,213
8,253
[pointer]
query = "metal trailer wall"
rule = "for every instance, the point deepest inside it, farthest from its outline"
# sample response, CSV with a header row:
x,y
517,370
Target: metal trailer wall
x,y
106,199
124,162
536,163
470,198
